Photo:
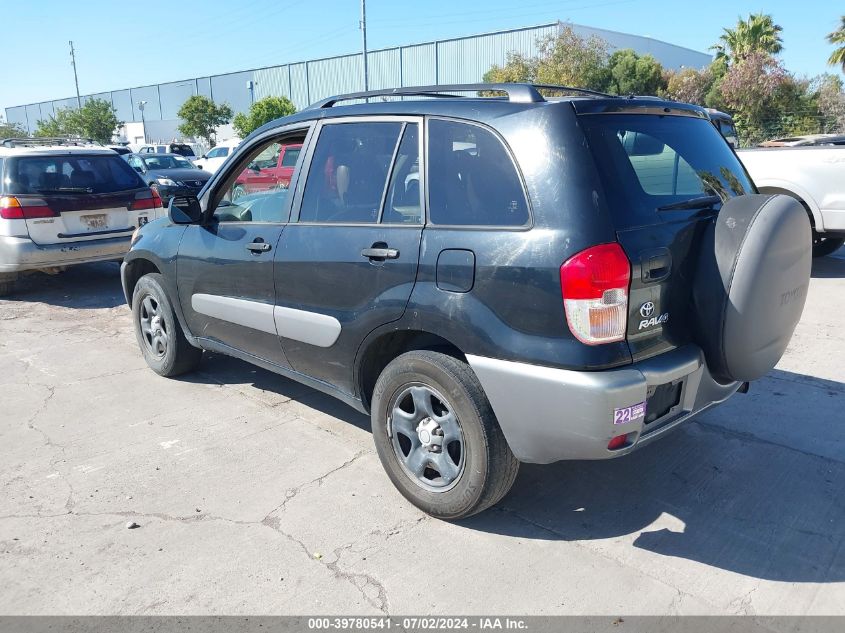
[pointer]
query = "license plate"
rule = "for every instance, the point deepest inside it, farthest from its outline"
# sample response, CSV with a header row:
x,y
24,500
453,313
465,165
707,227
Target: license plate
x,y
99,221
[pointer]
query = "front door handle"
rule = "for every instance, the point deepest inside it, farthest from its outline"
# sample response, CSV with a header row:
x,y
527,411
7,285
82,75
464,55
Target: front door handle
x,y
258,246
380,253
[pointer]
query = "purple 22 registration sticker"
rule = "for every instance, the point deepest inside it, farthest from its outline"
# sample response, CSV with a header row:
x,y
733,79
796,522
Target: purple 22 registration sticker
x,y
629,414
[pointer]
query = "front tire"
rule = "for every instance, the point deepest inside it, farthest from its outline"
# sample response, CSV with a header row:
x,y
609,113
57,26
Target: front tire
x,y
159,334
437,436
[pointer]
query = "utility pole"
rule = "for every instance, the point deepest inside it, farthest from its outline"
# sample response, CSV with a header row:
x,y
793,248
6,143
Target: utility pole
x,y
363,26
75,78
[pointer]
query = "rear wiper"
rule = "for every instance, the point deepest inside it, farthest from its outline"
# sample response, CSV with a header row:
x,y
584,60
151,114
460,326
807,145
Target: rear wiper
x,y
702,202
67,190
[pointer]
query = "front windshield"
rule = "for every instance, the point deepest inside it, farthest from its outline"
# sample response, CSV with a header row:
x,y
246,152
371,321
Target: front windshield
x,y
167,162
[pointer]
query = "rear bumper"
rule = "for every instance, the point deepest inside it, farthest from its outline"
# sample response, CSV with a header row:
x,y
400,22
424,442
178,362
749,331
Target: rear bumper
x,y
549,414
21,253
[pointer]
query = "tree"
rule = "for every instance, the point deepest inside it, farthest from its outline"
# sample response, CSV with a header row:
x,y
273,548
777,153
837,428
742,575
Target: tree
x,y
633,74
61,123
831,102
572,60
518,68
200,116
261,112
566,59
690,85
750,88
11,130
97,120
837,38
756,34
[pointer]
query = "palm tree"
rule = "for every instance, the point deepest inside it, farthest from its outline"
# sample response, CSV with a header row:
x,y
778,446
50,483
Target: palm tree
x,y
756,34
838,38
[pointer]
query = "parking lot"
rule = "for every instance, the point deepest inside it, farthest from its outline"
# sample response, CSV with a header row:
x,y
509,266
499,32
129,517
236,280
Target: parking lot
x,y
256,495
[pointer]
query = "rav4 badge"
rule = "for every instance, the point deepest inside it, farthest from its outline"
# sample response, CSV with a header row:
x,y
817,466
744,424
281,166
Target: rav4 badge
x,y
646,311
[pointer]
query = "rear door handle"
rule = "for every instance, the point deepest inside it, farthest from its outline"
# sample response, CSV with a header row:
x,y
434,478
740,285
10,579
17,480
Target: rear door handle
x,y
380,253
258,246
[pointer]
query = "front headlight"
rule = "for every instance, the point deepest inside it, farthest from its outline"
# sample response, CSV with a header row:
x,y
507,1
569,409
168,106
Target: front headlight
x,y
166,182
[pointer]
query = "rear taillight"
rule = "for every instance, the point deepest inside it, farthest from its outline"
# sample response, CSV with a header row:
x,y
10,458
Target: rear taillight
x,y
594,284
148,199
25,209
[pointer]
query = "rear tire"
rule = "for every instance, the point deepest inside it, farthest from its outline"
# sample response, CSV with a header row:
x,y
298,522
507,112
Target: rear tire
x,y
159,334
467,466
823,245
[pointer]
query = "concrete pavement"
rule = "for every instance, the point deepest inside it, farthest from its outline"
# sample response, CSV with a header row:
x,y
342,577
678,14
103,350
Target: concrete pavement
x,y
255,495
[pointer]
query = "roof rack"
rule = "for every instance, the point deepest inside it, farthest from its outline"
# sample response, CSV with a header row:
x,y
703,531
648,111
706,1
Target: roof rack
x,y
516,92
39,141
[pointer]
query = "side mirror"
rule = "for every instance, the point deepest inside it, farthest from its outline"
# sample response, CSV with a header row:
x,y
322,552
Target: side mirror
x,y
254,167
184,210
140,170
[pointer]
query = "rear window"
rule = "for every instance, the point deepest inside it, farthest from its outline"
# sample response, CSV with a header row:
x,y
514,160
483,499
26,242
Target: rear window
x,y
69,174
648,161
182,149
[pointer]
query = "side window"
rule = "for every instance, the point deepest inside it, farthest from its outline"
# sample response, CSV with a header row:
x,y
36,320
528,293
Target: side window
x,y
403,204
246,201
291,156
218,152
136,163
472,179
348,172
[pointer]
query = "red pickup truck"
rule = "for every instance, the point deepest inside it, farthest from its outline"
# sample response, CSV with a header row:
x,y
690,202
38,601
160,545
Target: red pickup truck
x,y
271,169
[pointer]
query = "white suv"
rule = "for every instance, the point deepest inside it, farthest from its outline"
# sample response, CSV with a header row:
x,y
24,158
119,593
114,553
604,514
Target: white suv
x,y
216,156
62,203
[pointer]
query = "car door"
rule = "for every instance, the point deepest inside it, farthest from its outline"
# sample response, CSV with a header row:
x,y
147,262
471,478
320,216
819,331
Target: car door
x,y
348,263
225,271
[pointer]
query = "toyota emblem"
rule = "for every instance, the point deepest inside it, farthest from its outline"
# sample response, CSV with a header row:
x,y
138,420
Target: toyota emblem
x,y
647,309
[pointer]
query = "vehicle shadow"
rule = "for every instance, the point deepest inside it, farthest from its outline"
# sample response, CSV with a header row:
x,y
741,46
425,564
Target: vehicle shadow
x,y
754,486
723,491
830,266
87,286
234,372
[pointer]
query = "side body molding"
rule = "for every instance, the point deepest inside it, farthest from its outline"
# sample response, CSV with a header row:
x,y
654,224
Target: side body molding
x,y
313,328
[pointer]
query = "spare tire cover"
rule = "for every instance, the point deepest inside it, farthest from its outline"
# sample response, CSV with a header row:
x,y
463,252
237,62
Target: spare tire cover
x,y
751,284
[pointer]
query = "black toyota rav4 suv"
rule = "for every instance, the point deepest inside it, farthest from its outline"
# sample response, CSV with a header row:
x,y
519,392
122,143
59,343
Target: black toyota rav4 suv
x,y
493,279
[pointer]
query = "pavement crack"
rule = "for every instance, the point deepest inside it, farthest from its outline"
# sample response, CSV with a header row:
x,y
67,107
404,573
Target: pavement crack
x,y
361,581
291,493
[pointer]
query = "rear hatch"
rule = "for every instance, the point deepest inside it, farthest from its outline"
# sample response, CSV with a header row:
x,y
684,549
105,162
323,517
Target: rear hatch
x,y
74,196
665,173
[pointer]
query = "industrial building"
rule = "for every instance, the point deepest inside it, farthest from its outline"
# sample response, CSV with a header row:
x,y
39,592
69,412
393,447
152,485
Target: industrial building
x,y
458,60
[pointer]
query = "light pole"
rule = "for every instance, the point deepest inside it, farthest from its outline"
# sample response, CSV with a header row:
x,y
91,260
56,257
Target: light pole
x,y
364,41
141,105
250,85
75,78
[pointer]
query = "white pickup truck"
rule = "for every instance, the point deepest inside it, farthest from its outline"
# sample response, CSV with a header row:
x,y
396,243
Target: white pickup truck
x,y
813,175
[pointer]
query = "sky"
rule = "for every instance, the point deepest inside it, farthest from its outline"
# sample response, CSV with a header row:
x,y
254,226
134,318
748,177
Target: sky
x,y
123,44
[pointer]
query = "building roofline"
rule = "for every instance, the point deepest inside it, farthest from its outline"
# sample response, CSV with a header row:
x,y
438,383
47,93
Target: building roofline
x,y
558,23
